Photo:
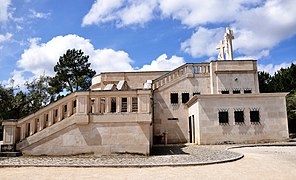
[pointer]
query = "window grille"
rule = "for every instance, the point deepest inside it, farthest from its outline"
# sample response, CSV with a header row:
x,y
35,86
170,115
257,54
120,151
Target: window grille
x,y
124,104
239,117
174,98
223,117
134,104
185,97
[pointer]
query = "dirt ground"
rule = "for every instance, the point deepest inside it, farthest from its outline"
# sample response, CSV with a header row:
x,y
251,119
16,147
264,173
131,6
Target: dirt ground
x,y
258,163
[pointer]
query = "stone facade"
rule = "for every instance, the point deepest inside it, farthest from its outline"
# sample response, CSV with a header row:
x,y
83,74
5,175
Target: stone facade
x,y
271,125
127,112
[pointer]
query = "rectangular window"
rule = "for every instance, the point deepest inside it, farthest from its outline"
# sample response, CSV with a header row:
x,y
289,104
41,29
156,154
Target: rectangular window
x,y
236,91
185,97
113,104
223,117
254,116
174,98
239,117
247,91
134,104
225,92
124,104
196,93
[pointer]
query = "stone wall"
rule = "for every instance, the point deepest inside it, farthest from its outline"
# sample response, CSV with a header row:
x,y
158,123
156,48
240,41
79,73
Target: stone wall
x,y
273,125
234,75
98,138
173,118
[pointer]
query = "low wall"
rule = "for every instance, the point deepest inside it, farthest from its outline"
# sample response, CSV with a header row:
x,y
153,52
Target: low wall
x,y
97,138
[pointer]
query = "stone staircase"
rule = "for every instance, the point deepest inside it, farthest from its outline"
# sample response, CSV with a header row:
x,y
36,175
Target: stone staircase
x,y
186,70
19,134
81,113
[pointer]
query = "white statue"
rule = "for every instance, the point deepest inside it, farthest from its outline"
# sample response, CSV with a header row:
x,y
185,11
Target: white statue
x,y
228,37
220,47
226,45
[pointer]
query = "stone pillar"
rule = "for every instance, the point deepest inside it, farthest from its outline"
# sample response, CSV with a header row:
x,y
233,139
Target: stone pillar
x,y
9,132
41,122
32,127
23,131
50,118
82,105
83,108
60,113
118,104
69,108
189,71
129,104
97,105
107,105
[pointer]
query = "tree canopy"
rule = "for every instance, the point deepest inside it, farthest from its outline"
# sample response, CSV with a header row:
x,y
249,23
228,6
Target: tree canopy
x,y
73,72
283,80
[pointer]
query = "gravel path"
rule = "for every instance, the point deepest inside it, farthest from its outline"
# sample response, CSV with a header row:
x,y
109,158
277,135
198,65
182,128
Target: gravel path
x,y
274,162
162,156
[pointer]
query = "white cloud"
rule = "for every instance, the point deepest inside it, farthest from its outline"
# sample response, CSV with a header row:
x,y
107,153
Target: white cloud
x,y
40,58
39,15
257,28
4,14
272,68
138,13
17,80
5,37
162,63
110,60
258,25
265,26
263,53
120,12
199,12
203,42
101,11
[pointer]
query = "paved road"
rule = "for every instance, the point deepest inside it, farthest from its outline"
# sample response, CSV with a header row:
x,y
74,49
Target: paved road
x,y
258,163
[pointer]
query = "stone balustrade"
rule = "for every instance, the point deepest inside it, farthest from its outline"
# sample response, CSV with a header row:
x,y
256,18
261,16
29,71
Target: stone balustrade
x,y
187,70
47,116
79,103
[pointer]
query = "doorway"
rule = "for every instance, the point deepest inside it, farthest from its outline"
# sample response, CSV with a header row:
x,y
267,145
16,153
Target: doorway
x,y
191,129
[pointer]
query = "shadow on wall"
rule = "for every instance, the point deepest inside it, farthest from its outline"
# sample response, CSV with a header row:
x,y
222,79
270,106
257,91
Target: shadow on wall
x,y
258,129
91,135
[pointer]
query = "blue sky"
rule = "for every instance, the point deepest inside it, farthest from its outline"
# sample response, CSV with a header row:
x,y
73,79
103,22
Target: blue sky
x,y
127,35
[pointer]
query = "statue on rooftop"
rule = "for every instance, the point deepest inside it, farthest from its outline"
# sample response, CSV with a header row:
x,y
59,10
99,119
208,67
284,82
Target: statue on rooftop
x,y
226,45
220,47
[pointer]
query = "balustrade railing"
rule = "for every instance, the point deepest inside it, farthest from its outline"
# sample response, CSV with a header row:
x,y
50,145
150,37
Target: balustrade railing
x,y
47,116
85,103
188,70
